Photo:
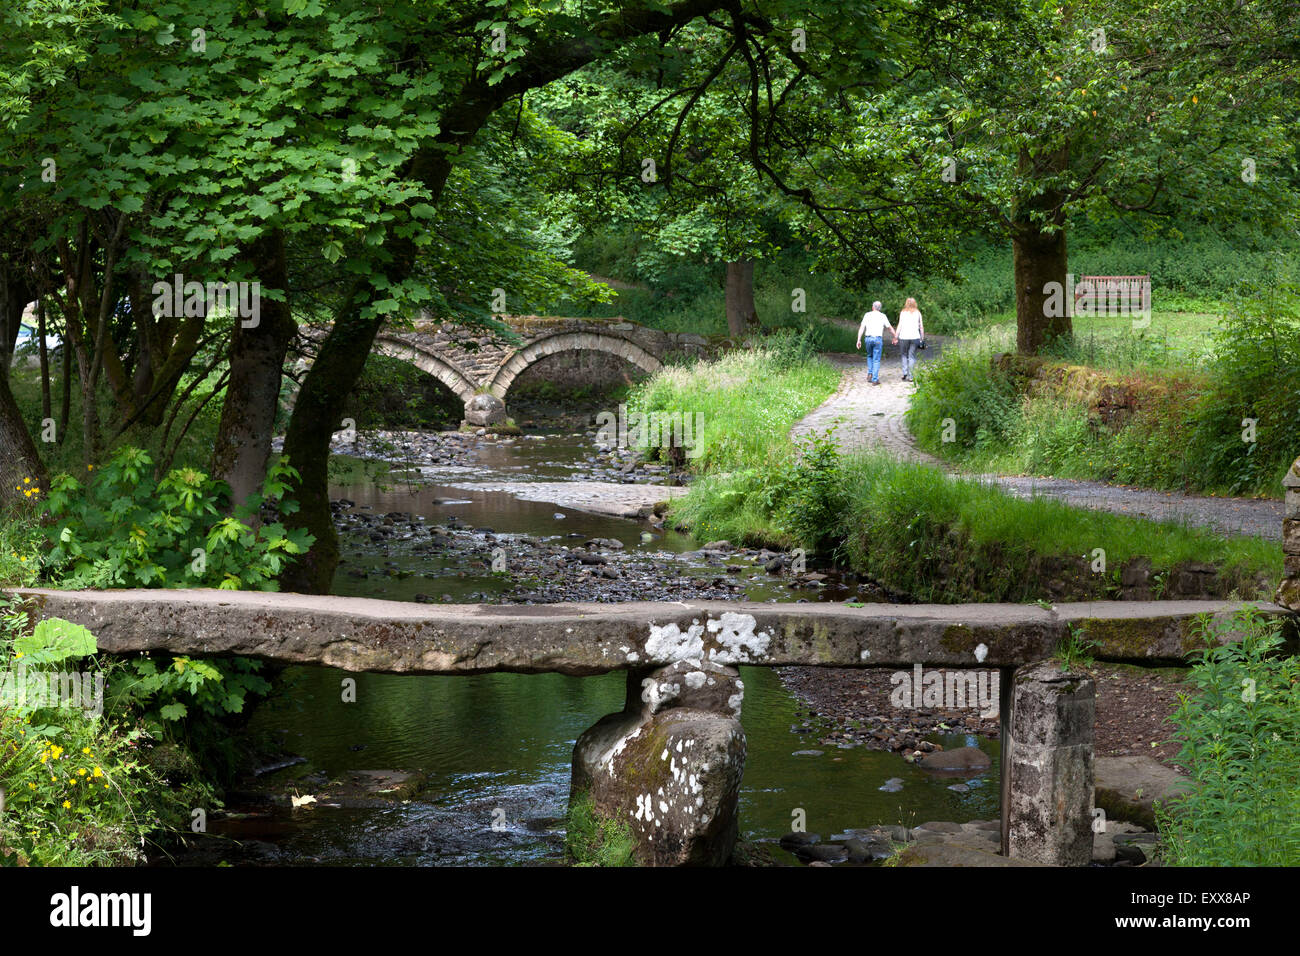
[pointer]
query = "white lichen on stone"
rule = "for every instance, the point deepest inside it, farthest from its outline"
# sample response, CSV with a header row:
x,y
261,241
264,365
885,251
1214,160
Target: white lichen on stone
x,y
654,693
607,758
695,679
668,643
981,652
736,633
738,698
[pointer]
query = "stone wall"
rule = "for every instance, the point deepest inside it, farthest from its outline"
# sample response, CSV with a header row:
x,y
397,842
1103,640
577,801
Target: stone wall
x,y
1288,595
1112,398
569,371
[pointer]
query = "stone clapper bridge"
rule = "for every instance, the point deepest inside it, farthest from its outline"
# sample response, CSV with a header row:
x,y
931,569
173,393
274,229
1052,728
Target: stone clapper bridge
x,y
479,365
669,765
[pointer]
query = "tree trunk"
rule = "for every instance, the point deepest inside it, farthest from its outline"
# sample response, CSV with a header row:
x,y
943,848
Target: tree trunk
x,y
1043,297
1043,294
317,414
45,359
65,400
318,409
256,364
14,296
19,458
741,315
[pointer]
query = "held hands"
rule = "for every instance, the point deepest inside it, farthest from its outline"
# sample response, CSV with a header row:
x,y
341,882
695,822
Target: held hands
x,y
895,340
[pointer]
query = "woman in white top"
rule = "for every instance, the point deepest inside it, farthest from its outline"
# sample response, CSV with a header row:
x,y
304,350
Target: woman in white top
x,y
910,332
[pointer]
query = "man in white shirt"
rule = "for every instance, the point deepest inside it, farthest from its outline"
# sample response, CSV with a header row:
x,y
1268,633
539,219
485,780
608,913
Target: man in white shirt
x,y
872,331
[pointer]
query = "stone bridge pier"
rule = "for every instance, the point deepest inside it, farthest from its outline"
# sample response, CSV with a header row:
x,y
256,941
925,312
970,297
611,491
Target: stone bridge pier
x,y
669,765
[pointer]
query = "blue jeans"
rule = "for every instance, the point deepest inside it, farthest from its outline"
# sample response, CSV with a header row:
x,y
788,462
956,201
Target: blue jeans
x,y
874,345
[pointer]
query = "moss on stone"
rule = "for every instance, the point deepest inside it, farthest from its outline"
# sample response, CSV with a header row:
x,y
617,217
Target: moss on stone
x,y
593,839
959,639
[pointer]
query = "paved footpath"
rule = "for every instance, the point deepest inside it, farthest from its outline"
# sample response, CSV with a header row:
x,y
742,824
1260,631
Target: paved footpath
x,y
871,416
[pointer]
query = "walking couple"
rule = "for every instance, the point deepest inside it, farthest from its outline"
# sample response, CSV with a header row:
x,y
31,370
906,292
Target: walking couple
x,y
910,331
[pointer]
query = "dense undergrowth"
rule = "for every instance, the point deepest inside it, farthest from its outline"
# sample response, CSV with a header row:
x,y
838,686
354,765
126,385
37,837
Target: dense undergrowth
x,y
1239,733
89,777
87,788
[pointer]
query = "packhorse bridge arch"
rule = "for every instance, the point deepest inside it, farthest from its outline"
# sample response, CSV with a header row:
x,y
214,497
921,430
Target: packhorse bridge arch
x,y
480,365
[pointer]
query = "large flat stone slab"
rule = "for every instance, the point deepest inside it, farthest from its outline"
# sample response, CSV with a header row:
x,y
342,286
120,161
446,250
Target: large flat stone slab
x,y
363,634
954,854
1129,786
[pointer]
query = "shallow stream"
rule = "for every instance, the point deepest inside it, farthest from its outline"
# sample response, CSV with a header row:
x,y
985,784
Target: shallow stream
x,y
495,749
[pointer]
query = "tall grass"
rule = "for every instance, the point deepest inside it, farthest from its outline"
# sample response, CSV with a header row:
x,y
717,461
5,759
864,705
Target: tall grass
x,y
1240,744
746,402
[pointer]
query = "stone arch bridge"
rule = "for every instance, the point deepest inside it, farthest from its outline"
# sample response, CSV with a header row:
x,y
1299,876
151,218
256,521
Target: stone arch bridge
x,y
479,365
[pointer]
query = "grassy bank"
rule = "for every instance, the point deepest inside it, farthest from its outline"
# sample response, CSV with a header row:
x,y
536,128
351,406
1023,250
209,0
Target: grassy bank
x,y
1226,426
744,404
910,526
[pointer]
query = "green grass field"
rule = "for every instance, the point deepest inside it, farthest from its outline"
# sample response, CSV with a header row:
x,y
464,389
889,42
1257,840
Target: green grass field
x,y
1172,340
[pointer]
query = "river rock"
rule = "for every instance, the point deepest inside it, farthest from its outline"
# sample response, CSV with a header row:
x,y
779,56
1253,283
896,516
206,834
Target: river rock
x,y
485,409
823,852
868,850
940,826
795,839
959,758
1128,787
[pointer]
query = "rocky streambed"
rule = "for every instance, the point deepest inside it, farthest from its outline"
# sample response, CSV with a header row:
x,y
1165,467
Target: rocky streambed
x,y
452,560
475,769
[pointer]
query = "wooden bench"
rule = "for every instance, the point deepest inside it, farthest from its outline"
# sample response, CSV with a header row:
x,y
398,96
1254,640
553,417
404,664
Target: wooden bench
x,y
1112,295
